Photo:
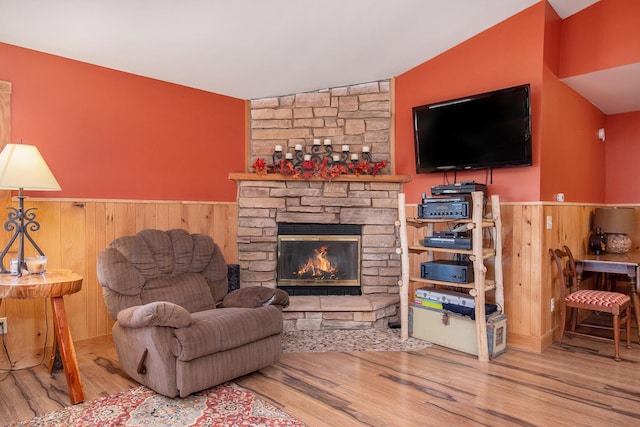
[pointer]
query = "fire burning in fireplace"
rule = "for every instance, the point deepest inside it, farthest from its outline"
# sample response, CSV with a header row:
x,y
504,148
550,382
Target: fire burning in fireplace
x,y
318,267
328,259
319,259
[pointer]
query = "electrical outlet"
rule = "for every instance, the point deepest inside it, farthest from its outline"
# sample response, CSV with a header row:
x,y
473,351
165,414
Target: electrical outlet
x,y
549,222
3,325
553,304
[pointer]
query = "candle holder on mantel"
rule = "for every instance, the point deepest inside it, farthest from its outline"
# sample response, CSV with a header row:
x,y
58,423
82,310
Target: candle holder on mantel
x,y
333,158
366,153
298,157
277,154
316,163
315,151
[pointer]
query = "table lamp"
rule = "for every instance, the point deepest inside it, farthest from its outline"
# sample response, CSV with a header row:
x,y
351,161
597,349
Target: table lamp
x,y
617,224
23,168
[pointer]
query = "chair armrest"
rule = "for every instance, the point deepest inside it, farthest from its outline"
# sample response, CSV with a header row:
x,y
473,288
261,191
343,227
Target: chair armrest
x,y
256,296
161,313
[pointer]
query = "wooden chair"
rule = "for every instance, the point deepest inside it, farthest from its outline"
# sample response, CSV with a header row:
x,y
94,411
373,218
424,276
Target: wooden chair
x,y
574,299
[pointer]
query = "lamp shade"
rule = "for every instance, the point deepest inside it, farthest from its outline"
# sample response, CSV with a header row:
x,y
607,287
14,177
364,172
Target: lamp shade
x,y
615,220
22,166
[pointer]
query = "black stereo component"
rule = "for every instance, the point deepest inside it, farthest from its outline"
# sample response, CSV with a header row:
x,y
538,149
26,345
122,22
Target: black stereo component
x,y
451,233
439,199
465,187
448,242
447,271
445,209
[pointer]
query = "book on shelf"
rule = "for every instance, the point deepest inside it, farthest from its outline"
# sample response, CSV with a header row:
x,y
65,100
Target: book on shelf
x,y
427,303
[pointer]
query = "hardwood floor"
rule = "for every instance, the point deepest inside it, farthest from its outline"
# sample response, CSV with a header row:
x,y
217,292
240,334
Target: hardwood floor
x,y
578,384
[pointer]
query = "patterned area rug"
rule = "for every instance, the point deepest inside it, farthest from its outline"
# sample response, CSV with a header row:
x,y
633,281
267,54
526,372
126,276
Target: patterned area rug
x,y
224,405
350,340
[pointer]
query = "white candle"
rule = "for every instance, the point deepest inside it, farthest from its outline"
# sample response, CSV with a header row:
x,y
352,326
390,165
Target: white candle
x,y
288,156
278,148
307,157
365,149
345,148
298,147
327,142
354,156
316,142
336,158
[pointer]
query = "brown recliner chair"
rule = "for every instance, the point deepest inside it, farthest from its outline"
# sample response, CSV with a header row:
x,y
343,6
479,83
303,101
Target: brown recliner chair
x,y
178,330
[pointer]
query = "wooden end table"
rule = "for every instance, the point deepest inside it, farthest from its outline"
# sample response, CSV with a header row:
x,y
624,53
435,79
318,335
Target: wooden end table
x,y
52,284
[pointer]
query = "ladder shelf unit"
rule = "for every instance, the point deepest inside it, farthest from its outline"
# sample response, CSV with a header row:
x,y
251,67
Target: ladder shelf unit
x,y
483,250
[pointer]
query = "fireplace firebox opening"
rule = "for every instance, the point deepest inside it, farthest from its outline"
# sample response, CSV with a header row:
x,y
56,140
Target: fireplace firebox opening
x,y
319,259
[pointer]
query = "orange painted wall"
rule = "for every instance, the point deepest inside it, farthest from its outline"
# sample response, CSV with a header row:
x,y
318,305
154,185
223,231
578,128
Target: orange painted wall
x,y
505,55
109,134
622,154
568,157
602,36
552,31
572,157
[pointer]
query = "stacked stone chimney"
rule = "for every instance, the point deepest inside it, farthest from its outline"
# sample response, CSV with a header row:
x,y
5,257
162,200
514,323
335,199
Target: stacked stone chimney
x,y
355,115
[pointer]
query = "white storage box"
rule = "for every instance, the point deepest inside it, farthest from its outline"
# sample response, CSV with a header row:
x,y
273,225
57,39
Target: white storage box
x,y
457,332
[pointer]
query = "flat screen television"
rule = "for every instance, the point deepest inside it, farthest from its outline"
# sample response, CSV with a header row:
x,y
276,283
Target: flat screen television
x,y
483,131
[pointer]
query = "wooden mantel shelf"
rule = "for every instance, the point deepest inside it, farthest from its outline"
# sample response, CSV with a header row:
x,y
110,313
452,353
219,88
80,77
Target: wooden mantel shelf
x,y
341,178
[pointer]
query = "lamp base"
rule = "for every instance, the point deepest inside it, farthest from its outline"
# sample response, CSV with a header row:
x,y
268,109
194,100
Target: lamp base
x,y
618,243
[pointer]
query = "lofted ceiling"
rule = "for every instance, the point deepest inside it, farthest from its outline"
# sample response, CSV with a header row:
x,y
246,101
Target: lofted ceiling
x,y
259,48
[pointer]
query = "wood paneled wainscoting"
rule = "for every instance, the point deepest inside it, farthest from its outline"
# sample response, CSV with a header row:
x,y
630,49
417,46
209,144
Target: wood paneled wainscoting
x,y
72,234
529,277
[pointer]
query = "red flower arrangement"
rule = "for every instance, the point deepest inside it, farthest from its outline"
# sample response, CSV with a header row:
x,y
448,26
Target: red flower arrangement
x,y
260,166
312,169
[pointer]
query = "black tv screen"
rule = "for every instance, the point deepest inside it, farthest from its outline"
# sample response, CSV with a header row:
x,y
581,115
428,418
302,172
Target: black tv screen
x,y
483,131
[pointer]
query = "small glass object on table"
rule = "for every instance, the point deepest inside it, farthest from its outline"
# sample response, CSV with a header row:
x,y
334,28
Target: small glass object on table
x,y
36,264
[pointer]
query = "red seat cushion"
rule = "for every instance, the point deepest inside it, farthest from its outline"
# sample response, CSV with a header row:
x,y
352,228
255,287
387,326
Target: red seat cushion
x,y
599,298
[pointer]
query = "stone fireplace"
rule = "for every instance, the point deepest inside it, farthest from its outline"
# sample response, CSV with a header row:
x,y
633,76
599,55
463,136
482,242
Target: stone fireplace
x,y
357,116
266,202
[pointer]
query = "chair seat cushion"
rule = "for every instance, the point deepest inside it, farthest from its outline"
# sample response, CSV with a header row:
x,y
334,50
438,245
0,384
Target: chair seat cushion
x,y
222,329
599,298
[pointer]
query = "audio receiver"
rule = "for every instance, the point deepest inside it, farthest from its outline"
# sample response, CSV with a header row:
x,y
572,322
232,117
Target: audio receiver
x,y
453,242
447,271
444,208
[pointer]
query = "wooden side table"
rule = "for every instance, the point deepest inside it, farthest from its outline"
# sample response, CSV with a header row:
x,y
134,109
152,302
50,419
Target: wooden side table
x,y
53,284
